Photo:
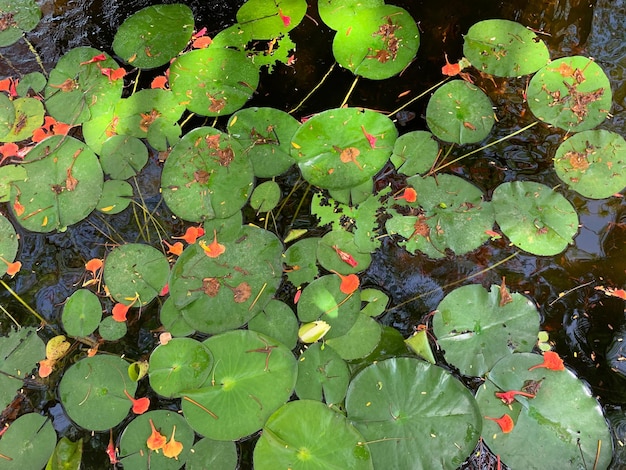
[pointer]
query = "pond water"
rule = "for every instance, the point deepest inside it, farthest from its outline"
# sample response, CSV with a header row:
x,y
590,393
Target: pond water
x,y
585,325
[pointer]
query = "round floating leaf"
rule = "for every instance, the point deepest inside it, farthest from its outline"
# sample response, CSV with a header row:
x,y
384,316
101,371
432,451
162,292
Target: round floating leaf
x,y
338,252
7,115
213,81
277,321
207,453
8,174
301,261
8,244
63,186
265,134
82,313
337,13
562,423
28,116
136,114
27,443
460,112
206,176
415,152
220,293
269,20
376,302
265,196
135,273
116,196
572,93
112,330
35,81
67,455
98,129
355,195
322,300
476,328
504,48
359,341
163,134
536,218
322,375
180,364
418,414
17,17
377,42
173,321
342,148
134,451
154,35
593,163
123,156
306,434
92,392
78,90
252,376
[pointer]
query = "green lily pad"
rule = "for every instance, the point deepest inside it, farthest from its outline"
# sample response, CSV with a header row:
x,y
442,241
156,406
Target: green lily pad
x,y
213,81
206,176
180,364
342,148
418,414
154,35
136,114
354,195
220,293
67,455
415,153
418,343
99,128
504,48
306,434
322,375
116,196
173,321
8,244
572,93
207,453
134,451
460,112
7,115
278,321
123,156
265,134
82,313
27,443
35,81
252,376
235,37
268,20
593,163
536,218
359,341
322,300
92,392
301,261
8,174
63,186
377,42
337,13
562,423
18,17
337,251
135,273
163,134
28,116
77,88
112,330
475,329
265,196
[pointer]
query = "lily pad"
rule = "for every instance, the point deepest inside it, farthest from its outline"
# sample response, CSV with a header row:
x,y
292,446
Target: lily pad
x,y
278,321
17,17
265,196
135,273
154,35
82,313
377,42
301,261
376,302
123,156
136,114
206,176
476,328
504,48
252,376
8,174
418,414
322,375
415,153
35,81
306,434
593,163
342,148
67,455
207,453
337,251
572,93
116,196
536,218
27,443
359,341
63,186
112,330
7,115
8,244
460,112
562,423
269,20
213,81
337,13
28,116
92,392
173,321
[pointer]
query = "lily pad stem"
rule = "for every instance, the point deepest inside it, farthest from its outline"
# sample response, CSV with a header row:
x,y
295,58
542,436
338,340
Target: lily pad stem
x,y
413,100
345,100
20,300
314,89
36,54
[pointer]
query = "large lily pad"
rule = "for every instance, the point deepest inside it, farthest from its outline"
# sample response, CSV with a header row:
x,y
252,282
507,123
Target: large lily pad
x,y
63,186
536,218
207,175
27,443
152,36
252,376
460,112
416,414
562,424
476,328
572,93
306,434
593,163
8,244
336,13
342,148
17,17
504,48
377,42
269,20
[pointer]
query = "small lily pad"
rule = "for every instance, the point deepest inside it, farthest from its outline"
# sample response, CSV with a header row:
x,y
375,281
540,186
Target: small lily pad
x,y
8,174
269,20
376,302
337,13
116,196
322,375
123,156
301,261
27,443
415,153
136,114
360,340
8,244
278,321
35,81
173,321
28,115
82,313
265,196
18,17
338,252
112,330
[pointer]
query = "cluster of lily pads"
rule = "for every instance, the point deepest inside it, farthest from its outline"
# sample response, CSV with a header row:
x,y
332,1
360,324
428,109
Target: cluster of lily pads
x,y
364,396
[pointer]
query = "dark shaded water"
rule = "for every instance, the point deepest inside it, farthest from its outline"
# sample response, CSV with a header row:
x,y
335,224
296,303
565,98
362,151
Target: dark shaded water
x,y
583,323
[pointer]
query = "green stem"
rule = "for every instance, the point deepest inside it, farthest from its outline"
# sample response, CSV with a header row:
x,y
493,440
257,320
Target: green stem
x,y
314,89
36,54
345,100
413,100
20,300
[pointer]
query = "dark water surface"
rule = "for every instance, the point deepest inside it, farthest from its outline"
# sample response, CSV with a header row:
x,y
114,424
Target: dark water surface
x,y
584,324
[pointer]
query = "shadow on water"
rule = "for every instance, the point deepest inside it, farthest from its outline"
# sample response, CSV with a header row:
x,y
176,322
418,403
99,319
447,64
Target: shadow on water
x,y
584,324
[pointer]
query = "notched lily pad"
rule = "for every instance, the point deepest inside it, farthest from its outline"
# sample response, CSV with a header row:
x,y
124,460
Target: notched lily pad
x,y
17,17
415,152
268,20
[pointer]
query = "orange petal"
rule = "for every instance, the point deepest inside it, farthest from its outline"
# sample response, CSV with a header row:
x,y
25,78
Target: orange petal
x,y
159,82
140,405
156,440
13,268
173,448
120,311
349,283
175,249
45,368
93,265
213,249
551,360
505,422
